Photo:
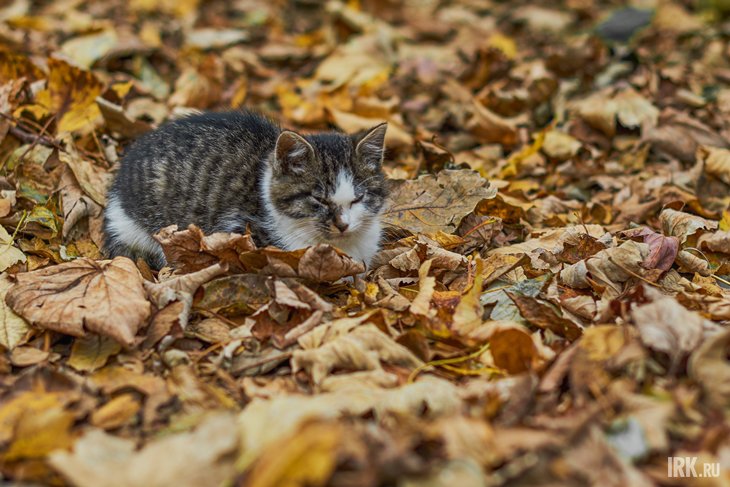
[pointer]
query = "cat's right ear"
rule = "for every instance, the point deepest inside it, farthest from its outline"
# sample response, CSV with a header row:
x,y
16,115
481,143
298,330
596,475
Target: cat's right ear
x,y
293,153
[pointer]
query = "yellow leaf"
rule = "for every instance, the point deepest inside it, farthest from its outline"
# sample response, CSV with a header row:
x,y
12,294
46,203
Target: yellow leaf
x,y
117,412
468,313
725,221
70,95
26,403
504,44
86,50
9,255
421,304
307,458
92,352
40,433
12,327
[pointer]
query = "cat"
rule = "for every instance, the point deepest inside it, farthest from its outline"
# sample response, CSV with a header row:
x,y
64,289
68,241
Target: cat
x,y
238,171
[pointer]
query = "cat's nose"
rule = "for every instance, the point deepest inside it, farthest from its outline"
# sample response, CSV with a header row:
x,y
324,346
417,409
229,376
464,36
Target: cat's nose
x,y
341,226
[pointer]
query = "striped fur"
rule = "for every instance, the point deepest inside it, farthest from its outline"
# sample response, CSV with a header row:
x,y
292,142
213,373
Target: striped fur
x,y
227,171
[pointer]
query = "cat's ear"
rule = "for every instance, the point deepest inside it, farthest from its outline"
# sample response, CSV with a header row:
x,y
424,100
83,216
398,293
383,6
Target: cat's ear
x,y
371,148
293,153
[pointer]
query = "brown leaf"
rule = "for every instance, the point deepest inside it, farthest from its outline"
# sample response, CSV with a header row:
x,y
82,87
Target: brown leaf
x,y
683,225
513,349
667,326
679,136
202,457
190,250
545,316
118,120
662,250
708,365
363,349
323,263
103,297
431,203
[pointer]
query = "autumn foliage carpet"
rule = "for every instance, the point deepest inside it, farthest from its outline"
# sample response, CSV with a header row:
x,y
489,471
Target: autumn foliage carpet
x,y
550,306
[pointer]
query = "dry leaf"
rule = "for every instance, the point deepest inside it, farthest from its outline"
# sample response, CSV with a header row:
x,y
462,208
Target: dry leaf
x,y
667,326
70,96
362,349
683,225
708,366
190,250
201,458
433,203
323,263
9,254
103,297
92,352
12,327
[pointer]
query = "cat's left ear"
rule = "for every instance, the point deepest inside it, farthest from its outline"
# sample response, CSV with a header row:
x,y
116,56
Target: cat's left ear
x,y
293,153
371,148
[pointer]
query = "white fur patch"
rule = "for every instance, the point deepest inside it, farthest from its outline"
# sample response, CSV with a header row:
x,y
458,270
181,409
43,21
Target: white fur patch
x,y
123,228
344,190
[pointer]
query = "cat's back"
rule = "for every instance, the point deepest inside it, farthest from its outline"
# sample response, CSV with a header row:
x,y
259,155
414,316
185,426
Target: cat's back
x,y
189,170
216,134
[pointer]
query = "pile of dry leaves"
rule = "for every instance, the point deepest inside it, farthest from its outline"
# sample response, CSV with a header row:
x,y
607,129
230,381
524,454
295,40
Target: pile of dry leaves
x,y
550,306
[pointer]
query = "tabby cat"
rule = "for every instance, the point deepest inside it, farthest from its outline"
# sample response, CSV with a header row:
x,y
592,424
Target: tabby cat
x,y
233,171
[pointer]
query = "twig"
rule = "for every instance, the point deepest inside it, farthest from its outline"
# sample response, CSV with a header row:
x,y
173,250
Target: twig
x,y
30,138
632,273
264,361
724,281
446,361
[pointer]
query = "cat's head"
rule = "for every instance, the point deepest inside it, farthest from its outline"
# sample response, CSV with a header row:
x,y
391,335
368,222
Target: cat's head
x,y
329,186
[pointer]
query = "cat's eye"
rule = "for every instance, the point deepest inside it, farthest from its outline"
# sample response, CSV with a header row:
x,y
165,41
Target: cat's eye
x,y
322,201
358,199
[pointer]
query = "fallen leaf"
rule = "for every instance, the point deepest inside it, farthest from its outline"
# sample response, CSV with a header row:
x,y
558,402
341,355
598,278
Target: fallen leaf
x,y
543,315
717,162
202,458
513,349
683,225
322,263
26,356
38,434
362,349
103,297
12,327
307,458
70,96
432,203
708,366
190,250
117,412
421,304
9,254
667,326
662,250
92,352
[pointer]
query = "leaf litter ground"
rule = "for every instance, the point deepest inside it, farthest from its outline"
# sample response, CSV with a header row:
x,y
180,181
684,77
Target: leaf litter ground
x,y
549,307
